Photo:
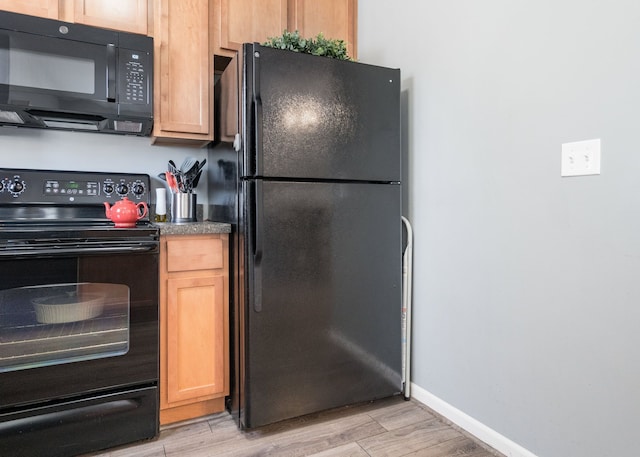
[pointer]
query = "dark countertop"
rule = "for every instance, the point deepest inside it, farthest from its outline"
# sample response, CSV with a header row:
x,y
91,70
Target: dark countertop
x,y
192,228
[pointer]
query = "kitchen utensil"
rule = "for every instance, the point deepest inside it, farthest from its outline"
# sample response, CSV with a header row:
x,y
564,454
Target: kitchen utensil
x,y
193,168
186,178
197,167
187,164
192,175
194,184
172,182
179,181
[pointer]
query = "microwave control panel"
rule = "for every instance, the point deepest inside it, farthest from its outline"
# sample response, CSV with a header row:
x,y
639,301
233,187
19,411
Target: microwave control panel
x,y
135,77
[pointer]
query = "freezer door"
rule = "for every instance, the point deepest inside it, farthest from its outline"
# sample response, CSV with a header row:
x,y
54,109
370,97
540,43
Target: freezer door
x,y
324,302
319,118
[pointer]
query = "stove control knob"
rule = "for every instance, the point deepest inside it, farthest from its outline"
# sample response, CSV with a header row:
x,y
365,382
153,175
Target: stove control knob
x,y
16,187
138,189
108,188
122,189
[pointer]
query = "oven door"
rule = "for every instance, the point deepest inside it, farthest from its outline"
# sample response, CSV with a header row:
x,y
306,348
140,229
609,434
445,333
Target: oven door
x,y
76,318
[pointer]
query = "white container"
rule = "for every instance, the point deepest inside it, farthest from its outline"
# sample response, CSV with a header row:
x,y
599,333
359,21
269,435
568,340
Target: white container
x,y
161,205
68,308
161,201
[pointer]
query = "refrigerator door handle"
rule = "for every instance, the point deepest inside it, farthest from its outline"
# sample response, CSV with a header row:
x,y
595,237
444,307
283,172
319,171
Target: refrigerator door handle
x,y
257,112
258,136
257,248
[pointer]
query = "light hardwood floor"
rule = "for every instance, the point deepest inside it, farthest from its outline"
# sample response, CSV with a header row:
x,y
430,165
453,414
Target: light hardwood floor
x,y
391,427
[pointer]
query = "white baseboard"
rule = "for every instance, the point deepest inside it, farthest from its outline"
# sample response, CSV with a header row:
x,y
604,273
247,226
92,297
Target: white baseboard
x,y
494,439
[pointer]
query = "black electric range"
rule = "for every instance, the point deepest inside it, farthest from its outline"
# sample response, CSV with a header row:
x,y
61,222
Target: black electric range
x,y
79,333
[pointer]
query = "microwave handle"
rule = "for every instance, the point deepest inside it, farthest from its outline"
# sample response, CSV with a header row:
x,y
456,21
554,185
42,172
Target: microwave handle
x,y
111,73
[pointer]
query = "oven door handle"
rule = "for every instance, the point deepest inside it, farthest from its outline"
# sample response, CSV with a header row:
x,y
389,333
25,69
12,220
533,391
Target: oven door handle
x,y
77,250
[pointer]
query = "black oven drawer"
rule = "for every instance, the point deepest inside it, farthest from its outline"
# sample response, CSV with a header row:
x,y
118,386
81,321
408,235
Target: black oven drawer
x,y
77,427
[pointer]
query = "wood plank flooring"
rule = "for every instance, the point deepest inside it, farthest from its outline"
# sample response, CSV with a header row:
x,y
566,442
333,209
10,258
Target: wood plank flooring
x,y
386,428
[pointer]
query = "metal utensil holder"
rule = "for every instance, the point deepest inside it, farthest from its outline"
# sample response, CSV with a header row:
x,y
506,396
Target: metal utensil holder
x,y
183,207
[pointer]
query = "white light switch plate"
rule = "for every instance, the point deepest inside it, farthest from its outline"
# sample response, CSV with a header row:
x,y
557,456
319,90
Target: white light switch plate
x,y
581,158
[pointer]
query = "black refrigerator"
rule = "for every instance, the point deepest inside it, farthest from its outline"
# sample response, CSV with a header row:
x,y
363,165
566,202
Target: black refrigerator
x,y
306,166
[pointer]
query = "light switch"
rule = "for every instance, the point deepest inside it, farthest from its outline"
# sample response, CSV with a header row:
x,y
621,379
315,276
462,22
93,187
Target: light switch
x,y
581,158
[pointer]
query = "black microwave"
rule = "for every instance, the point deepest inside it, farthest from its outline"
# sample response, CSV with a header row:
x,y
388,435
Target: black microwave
x,y
67,76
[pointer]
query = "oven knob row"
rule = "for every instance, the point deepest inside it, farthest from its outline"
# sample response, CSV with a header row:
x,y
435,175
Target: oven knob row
x,y
15,187
122,189
136,188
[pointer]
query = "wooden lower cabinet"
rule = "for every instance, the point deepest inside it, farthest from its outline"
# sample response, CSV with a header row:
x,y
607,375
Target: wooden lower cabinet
x,y
194,326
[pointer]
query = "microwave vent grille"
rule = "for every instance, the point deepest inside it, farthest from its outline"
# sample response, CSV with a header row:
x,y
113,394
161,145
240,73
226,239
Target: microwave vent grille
x,y
127,126
11,117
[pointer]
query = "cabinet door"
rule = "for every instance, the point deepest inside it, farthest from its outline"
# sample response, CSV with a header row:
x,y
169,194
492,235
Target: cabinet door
x,y
242,21
183,70
334,18
126,15
41,8
195,337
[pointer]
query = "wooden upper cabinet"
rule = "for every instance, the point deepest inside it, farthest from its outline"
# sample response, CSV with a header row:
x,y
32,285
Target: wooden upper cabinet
x,y
41,8
183,64
242,21
125,15
336,19
245,21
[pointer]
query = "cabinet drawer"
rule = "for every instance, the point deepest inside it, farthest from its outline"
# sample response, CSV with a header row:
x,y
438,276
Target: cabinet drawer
x,y
194,254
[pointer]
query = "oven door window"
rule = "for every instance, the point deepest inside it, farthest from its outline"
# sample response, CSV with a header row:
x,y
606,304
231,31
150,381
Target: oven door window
x,y
57,323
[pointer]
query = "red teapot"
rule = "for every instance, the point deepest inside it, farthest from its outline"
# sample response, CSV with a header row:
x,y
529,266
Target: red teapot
x,y
125,213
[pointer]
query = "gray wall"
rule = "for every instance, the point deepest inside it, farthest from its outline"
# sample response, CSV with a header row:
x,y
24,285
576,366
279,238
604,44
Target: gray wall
x,y
527,285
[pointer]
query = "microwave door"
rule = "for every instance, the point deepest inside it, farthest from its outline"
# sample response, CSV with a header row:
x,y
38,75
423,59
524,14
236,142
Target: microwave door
x,y
58,74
